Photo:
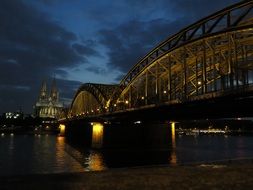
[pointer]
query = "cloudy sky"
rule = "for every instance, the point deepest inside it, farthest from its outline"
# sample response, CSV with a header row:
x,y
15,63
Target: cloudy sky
x,y
80,41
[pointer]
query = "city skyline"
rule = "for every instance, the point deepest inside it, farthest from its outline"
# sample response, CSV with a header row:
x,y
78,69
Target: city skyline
x,y
82,41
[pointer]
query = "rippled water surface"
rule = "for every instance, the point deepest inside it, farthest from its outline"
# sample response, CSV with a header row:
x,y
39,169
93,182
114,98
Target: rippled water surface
x,y
28,154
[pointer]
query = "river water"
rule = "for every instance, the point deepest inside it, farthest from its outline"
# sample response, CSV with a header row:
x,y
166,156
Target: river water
x,y
32,154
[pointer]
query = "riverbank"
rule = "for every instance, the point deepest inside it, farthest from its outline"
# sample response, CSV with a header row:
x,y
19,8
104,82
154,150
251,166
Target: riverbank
x,y
203,176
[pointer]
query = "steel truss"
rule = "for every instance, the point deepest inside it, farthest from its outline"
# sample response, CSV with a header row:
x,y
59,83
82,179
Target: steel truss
x,y
207,59
211,56
92,99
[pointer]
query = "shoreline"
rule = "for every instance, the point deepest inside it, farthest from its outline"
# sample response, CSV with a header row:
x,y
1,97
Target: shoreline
x,y
208,176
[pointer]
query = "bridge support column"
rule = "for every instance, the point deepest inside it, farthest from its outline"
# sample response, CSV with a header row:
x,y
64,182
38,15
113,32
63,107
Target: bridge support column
x,y
185,76
130,97
230,62
169,81
146,88
156,81
204,77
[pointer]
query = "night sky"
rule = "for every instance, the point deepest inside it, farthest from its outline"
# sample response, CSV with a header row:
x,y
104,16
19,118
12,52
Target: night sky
x,y
80,41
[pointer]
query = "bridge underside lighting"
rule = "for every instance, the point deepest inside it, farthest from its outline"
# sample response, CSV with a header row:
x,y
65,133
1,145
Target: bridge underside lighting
x,y
97,135
62,129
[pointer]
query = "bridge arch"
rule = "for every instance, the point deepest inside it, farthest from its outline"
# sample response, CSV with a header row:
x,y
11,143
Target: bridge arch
x,y
92,98
205,59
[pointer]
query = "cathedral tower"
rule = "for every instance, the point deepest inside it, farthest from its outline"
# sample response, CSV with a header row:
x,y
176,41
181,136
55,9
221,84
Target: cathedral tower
x,y
54,92
43,92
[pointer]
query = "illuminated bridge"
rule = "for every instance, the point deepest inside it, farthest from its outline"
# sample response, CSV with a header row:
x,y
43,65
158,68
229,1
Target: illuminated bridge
x,y
205,66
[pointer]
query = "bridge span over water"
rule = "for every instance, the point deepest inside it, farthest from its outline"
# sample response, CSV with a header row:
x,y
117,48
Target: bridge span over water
x,y
206,69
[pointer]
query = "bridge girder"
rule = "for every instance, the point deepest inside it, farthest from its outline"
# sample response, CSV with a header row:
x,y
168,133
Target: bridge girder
x,y
228,19
211,56
92,98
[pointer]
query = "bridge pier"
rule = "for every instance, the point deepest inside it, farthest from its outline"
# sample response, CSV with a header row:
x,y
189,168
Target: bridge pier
x,y
79,132
138,134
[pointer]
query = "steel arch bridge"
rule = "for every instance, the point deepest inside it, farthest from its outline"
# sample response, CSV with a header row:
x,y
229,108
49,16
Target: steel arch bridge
x,y
207,59
92,98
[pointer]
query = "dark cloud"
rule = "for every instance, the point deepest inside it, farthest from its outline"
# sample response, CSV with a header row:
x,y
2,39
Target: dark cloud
x,y
14,98
50,2
97,70
119,77
193,9
196,9
67,89
129,42
32,47
85,50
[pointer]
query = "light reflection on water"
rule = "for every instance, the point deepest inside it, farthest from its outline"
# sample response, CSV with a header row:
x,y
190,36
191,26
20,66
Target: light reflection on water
x,y
91,160
95,162
183,150
27,154
173,159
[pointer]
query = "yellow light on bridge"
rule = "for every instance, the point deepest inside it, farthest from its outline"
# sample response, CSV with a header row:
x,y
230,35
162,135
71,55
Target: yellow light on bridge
x,y
127,102
199,82
62,129
97,128
142,97
97,135
173,160
173,132
164,91
115,105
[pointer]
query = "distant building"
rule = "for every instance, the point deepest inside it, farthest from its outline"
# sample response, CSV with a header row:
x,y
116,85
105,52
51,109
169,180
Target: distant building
x,y
13,115
48,104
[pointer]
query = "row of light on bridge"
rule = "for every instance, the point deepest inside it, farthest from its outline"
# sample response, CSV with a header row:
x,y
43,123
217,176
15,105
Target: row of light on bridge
x,y
114,105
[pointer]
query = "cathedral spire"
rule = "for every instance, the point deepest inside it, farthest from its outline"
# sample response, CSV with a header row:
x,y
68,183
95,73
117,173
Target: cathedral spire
x,y
54,92
43,91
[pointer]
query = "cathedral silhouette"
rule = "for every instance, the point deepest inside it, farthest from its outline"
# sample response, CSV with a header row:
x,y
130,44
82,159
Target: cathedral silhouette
x,y
48,104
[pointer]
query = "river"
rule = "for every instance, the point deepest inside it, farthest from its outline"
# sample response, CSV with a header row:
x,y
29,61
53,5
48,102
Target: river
x,y
33,154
